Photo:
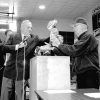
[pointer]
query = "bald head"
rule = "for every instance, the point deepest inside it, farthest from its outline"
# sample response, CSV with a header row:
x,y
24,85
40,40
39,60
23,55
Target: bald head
x,y
26,27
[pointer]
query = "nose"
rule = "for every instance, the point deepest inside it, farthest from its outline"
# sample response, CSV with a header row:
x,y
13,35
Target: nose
x,y
30,28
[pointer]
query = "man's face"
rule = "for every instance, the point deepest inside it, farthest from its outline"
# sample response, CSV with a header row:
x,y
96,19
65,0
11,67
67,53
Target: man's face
x,y
79,28
27,28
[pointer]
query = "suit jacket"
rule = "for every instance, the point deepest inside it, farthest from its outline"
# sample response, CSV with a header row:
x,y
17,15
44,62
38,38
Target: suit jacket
x,y
5,49
85,52
15,65
1,58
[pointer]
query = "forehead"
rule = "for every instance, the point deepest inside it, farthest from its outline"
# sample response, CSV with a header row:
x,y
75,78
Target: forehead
x,y
26,24
77,24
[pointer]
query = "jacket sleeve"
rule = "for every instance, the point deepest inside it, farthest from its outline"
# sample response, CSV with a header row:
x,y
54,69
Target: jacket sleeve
x,y
31,47
34,42
42,41
8,48
58,52
81,47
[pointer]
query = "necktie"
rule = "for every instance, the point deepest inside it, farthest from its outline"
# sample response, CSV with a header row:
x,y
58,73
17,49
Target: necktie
x,y
25,38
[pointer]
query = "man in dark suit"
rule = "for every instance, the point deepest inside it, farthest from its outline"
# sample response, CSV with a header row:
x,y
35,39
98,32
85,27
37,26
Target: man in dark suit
x,y
17,68
6,49
2,59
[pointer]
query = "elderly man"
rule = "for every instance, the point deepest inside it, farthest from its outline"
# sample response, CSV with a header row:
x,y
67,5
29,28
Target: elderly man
x,y
85,52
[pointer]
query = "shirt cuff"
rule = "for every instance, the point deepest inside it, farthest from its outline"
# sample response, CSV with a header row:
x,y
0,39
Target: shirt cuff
x,y
16,47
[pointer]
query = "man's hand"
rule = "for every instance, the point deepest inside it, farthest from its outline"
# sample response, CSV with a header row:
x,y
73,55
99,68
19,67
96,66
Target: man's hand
x,y
56,42
46,47
21,45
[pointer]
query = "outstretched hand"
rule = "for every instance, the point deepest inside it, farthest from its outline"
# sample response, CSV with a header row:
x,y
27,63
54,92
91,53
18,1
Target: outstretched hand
x,y
22,44
46,47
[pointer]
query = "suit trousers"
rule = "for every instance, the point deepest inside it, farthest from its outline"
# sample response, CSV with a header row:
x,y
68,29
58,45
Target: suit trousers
x,y
88,79
1,77
11,89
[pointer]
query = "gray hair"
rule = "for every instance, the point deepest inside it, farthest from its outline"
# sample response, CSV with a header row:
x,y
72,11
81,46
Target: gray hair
x,y
24,22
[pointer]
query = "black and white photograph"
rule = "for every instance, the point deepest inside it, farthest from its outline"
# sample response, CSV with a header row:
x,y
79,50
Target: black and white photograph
x,y
49,49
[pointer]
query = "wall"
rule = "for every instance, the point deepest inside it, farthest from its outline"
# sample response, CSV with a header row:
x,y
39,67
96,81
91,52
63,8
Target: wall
x,y
40,26
88,16
7,25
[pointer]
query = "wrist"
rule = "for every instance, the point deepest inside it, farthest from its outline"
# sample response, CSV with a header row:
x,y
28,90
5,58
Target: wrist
x,y
16,47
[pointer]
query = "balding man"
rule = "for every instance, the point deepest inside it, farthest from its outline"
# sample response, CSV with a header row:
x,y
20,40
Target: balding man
x,y
17,67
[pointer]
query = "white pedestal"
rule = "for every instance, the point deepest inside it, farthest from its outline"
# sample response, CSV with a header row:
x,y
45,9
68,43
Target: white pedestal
x,y
49,72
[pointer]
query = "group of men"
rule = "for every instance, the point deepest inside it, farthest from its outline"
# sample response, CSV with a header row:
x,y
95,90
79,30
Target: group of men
x,y
21,47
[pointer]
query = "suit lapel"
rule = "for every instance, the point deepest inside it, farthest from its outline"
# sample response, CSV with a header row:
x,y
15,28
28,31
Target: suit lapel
x,y
32,43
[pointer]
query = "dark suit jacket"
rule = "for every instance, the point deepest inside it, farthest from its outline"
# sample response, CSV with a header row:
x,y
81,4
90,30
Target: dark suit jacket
x,y
15,65
4,49
85,52
1,58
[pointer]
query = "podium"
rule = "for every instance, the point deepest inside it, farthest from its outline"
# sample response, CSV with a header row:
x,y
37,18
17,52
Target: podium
x,y
49,73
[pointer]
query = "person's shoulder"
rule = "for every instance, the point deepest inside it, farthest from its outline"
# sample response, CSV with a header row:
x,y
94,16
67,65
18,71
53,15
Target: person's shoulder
x,y
34,36
12,35
16,35
89,35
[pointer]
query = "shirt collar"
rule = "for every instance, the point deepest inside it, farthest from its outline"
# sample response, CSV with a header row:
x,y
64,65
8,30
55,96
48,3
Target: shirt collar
x,y
22,36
